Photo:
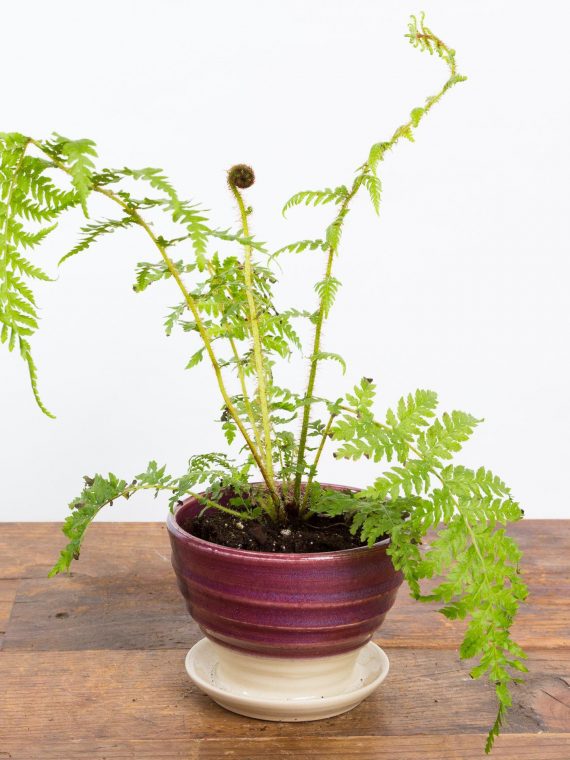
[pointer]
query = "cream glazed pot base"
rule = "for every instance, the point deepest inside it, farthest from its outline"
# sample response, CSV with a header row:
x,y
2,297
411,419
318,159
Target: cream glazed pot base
x,y
286,689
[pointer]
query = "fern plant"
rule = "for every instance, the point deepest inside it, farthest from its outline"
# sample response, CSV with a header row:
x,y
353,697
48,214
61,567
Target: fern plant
x,y
226,305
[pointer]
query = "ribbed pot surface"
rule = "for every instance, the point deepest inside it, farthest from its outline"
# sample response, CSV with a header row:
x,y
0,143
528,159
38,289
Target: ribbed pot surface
x,y
282,605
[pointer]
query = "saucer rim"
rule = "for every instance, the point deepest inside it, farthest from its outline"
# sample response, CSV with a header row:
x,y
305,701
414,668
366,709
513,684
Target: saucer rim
x,y
380,661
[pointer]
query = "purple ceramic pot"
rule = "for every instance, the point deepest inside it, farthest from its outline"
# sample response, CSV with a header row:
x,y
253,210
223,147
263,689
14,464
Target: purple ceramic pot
x,y
282,605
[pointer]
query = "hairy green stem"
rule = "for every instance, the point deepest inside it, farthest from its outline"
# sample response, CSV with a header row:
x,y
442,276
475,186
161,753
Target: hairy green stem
x,y
315,464
257,347
192,305
134,488
405,130
314,361
245,394
243,385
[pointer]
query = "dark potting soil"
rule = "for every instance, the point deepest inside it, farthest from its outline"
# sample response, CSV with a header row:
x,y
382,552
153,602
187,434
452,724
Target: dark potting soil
x,y
317,534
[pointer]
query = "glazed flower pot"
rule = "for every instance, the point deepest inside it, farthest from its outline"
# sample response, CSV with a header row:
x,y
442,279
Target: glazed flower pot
x,y
288,636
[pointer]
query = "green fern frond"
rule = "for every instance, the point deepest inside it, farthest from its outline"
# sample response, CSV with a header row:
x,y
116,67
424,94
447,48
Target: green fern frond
x,y
33,373
422,37
148,272
446,436
243,241
16,234
78,156
357,430
97,493
316,197
35,212
334,230
26,194
412,413
327,290
90,233
100,491
17,284
156,178
195,359
20,264
362,397
327,355
495,729
193,218
374,186
34,186
278,332
477,560
376,154
300,246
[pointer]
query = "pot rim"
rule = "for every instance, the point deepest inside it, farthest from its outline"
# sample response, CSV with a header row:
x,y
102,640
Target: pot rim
x,y
176,530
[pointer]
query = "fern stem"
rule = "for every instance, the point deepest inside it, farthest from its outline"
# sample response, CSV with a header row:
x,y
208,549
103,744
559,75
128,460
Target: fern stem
x,y
245,394
254,327
314,361
243,385
134,488
267,476
314,466
191,303
405,130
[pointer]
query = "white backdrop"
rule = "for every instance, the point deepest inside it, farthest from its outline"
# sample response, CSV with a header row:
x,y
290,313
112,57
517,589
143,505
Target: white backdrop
x,y
461,286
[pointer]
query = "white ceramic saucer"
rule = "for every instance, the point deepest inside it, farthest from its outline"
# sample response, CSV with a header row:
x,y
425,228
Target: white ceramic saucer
x,y
203,666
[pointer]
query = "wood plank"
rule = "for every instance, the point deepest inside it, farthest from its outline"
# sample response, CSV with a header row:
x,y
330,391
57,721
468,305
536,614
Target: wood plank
x,y
545,544
122,611
7,595
542,622
123,596
118,695
429,747
140,607
105,702
454,747
30,549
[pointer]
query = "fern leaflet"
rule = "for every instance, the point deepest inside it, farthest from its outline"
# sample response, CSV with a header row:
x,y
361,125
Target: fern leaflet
x,y
316,197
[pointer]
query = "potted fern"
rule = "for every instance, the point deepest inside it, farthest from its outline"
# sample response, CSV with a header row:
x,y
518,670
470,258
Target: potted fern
x,y
288,577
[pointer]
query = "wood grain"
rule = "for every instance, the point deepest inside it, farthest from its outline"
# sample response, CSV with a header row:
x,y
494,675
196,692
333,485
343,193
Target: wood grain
x,y
92,665
147,612
125,579
428,747
7,596
29,550
146,694
451,747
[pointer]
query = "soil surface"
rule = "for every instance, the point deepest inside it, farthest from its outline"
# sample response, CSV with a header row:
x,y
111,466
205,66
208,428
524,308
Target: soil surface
x,y
317,534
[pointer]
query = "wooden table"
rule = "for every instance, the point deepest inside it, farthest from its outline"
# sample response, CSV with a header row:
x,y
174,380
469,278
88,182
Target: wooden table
x,y
92,665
